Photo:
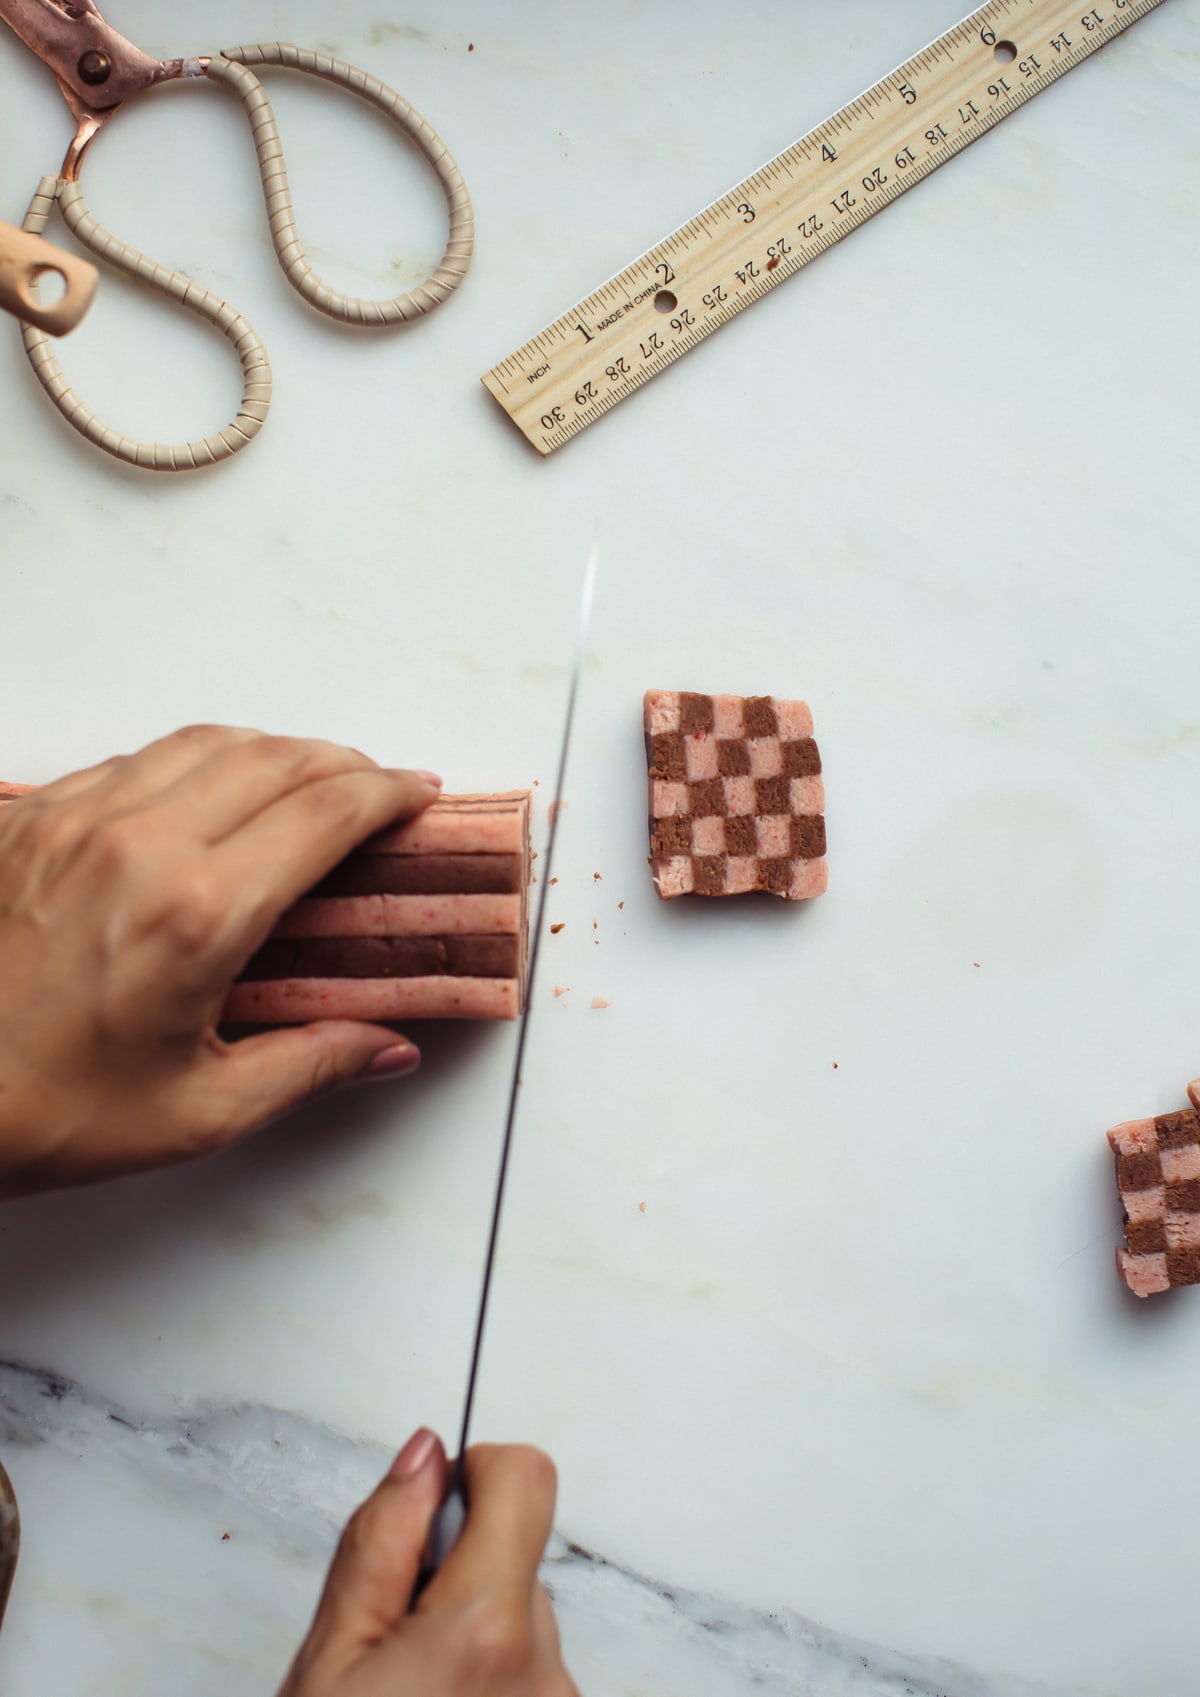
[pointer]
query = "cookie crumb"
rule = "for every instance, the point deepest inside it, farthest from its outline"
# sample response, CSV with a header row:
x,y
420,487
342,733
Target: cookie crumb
x,y
561,989
224,1537
555,929
596,878
641,1207
620,904
600,1002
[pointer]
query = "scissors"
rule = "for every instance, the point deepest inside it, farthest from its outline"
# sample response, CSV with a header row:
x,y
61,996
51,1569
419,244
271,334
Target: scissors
x,y
97,70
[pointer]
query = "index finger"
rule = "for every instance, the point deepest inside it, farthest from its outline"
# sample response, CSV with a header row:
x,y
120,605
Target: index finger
x,y
511,1490
279,855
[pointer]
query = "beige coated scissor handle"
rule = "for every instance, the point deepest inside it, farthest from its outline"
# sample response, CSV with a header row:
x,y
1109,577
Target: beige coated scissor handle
x,y
24,258
232,69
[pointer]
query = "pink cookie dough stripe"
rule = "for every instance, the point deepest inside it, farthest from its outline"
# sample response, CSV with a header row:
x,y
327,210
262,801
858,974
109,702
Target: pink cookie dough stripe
x,y
668,800
807,794
810,878
674,877
794,718
295,1001
485,824
766,757
1144,1205
741,874
402,916
700,753
1133,1137
1179,1165
1145,1275
727,716
660,710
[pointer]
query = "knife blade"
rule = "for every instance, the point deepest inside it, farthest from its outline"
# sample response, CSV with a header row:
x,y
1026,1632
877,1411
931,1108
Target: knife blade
x,y
451,1517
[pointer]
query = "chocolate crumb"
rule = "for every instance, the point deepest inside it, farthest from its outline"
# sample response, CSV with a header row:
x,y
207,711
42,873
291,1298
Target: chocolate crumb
x,y
620,904
224,1537
555,929
596,877
554,880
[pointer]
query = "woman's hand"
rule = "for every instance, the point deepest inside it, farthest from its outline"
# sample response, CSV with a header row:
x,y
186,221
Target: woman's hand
x,y
484,1627
130,896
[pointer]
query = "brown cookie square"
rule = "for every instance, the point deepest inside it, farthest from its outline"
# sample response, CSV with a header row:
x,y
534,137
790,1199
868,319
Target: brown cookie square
x,y
758,714
1176,1131
706,798
775,875
733,757
695,712
801,759
741,837
708,871
772,795
667,756
1183,1266
808,836
1138,1172
669,837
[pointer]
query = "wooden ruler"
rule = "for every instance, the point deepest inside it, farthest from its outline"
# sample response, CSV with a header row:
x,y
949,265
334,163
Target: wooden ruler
x,y
772,224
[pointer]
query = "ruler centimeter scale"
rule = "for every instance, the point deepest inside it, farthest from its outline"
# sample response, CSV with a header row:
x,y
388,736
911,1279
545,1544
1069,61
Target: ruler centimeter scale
x,y
797,206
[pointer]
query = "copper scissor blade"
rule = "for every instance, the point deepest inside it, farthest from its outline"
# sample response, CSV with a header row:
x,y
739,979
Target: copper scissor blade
x,y
95,67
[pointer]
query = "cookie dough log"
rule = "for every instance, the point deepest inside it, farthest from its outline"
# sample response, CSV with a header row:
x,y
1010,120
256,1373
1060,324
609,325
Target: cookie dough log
x,y
1158,1177
736,796
429,920
426,921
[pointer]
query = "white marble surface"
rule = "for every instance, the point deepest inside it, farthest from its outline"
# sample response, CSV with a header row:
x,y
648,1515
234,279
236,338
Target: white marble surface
x,y
854,1406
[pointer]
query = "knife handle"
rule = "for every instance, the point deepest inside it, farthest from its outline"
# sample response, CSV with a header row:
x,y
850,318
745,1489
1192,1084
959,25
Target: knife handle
x,y
444,1533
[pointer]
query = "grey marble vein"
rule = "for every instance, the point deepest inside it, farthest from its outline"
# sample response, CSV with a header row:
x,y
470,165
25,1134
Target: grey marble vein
x,y
299,1480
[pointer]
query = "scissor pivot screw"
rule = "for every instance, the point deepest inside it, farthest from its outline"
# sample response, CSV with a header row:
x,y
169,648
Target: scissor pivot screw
x,y
95,67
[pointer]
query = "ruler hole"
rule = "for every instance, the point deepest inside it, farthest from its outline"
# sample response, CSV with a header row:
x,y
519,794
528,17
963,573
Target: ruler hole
x,y
1005,51
665,301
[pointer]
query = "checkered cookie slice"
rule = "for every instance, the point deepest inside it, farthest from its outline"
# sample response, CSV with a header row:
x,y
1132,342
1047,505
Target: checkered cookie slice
x,y
1158,1176
736,797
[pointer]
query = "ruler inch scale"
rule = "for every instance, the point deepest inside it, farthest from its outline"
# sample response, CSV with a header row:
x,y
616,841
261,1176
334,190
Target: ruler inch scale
x,y
794,208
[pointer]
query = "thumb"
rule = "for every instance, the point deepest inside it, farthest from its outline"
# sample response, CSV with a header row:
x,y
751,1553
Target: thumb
x,y
371,1580
262,1077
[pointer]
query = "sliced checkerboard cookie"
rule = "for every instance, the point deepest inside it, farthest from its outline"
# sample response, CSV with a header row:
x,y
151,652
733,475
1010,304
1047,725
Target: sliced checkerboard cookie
x,y
736,797
1158,1176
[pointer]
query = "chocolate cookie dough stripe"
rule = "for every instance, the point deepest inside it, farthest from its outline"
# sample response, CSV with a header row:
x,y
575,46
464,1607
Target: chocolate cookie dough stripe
x,y
295,1001
404,916
384,957
424,875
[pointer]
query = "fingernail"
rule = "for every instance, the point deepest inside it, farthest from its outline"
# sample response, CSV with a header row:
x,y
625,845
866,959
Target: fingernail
x,y
401,1058
414,1455
428,778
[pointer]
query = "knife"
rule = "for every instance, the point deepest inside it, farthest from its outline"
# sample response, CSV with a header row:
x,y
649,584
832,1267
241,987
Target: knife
x,y
451,1516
